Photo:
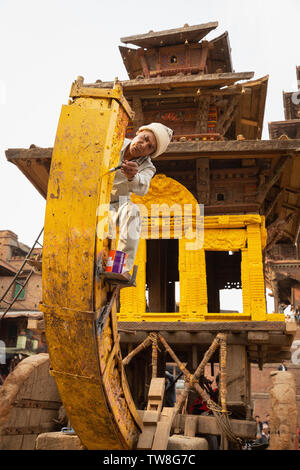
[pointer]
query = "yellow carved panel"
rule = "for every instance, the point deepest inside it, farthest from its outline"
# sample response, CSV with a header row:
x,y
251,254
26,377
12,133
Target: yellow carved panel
x,y
224,239
166,202
133,299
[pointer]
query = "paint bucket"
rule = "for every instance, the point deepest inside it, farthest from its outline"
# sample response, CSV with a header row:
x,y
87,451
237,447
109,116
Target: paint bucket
x,y
116,261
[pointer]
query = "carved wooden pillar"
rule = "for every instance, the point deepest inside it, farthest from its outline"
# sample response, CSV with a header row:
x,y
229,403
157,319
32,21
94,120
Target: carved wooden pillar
x,y
138,120
256,276
245,282
202,118
202,180
193,287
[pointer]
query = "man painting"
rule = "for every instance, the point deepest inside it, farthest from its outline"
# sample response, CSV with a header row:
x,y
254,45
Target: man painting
x,y
134,176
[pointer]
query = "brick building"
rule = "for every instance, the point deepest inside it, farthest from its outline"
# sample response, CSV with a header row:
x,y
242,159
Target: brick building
x,y
20,335
261,381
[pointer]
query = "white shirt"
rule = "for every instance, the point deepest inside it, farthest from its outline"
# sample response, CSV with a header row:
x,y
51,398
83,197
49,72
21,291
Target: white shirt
x,y
140,182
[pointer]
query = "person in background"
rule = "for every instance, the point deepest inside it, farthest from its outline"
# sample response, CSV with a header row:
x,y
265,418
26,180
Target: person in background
x,y
259,425
282,366
267,420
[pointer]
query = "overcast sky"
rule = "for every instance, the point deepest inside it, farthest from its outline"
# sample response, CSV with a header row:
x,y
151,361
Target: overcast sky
x,y
45,45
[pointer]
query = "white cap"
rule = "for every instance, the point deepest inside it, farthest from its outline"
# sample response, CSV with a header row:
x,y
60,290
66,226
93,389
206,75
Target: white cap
x,y
163,136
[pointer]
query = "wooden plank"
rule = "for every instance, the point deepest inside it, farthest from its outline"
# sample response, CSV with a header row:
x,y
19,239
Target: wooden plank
x,y
156,394
163,429
210,326
190,426
146,438
150,420
290,327
245,429
26,417
157,388
150,417
249,122
238,375
258,337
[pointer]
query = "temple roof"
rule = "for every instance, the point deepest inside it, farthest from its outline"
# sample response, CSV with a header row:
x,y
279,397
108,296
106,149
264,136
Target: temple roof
x,y
6,269
252,94
213,80
290,128
218,58
291,105
171,36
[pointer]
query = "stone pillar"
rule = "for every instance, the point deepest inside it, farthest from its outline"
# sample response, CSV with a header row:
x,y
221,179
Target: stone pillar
x,y
283,414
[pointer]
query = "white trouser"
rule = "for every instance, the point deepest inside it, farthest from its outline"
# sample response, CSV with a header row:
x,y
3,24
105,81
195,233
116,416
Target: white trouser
x,y
127,217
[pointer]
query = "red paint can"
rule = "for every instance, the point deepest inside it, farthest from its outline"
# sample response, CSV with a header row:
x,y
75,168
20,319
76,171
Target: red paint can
x,y
116,261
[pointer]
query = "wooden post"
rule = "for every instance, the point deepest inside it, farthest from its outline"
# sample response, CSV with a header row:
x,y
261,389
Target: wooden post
x,y
154,355
223,374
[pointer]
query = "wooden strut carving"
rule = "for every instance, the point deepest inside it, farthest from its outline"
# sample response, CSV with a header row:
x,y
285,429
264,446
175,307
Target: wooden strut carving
x,y
265,188
191,380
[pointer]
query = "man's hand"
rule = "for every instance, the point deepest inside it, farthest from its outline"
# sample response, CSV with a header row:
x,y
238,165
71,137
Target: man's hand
x,y
129,169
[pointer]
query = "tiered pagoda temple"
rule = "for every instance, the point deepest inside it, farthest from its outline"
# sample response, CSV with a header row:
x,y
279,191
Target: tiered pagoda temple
x,y
249,188
186,81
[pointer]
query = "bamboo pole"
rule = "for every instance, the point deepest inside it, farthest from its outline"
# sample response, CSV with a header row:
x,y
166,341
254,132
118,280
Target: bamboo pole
x,y
153,337
138,349
174,357
215,344
223,373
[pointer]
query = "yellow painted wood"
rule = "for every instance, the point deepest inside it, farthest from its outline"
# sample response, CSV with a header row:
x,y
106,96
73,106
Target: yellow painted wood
x,y
256,276
192,278
85,359
133,299
245,282
245,232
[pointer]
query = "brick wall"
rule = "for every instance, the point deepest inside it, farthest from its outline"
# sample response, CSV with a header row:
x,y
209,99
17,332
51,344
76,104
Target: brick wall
x,y
261,381
9,245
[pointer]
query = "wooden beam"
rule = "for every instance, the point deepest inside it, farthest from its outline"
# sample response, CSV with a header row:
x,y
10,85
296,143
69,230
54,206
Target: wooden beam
x,y
209,326
138,120
226,119
264,190
273,204
249,122
208,425
191,150
290,189
143,62
258,337
163,429
292,207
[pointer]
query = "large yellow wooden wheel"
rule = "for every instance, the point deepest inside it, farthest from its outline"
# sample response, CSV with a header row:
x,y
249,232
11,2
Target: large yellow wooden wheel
x,y
79,308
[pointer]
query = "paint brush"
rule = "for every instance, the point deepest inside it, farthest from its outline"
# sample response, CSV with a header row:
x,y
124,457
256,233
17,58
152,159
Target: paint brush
x,y
115,168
